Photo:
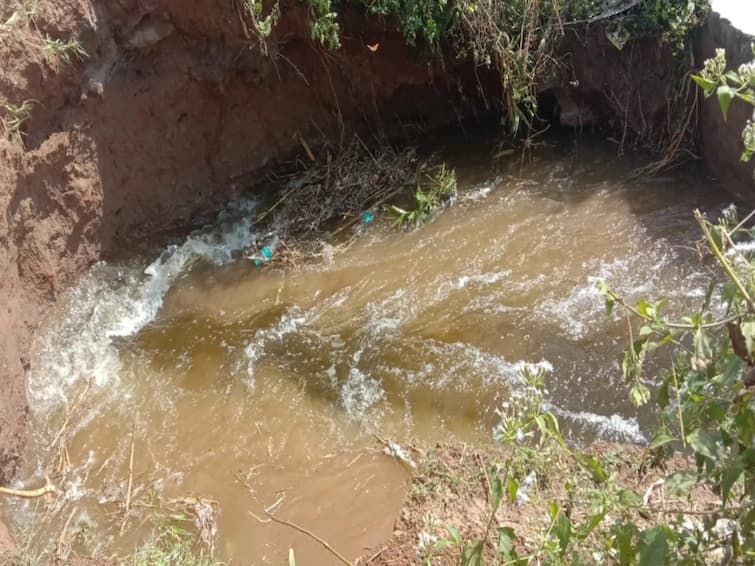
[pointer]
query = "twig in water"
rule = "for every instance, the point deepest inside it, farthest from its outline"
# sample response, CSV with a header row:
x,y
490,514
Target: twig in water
x,y
130,475
69,413
302,530
62,537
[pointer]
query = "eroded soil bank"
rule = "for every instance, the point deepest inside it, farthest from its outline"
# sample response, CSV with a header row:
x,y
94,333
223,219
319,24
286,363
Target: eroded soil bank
x,y
174,111
171,113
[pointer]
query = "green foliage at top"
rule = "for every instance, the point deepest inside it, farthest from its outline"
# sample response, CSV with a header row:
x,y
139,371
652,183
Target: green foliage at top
x,y
515,37
427,20
729,86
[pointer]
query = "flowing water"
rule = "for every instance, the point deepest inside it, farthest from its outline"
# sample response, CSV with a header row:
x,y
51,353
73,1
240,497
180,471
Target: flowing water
x,y
250,388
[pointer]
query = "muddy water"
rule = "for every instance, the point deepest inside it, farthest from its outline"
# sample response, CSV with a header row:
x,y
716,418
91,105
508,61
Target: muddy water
x,y
254,389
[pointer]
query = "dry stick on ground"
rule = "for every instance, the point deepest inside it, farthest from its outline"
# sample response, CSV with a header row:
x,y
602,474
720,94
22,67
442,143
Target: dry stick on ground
x,y
302,530
30,493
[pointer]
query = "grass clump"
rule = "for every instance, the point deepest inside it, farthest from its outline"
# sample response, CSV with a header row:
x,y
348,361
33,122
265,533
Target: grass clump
x,y
431,191
171,545
65,51
15,117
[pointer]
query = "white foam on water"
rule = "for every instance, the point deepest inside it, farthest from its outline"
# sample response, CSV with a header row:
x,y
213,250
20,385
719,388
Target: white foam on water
x,y
482,278
459,366
582,311
611,427
481,191
290,322
360,393
118,302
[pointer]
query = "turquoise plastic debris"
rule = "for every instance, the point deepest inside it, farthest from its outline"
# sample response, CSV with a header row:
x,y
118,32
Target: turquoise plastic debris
x,y
368,217
267,252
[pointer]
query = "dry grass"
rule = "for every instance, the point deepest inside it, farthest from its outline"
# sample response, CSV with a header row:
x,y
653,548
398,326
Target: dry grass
x,y
452,487
317,206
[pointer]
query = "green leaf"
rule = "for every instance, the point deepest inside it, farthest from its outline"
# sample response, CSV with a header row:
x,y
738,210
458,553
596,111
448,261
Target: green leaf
x,y
506,537
603,289
497,495
639,394
661,439
454,534
562,528
705,84
592,521
748,331
472,555
662,397
291,557
512,488
703,443
725,95
595,468
643,307
653,547
645,331
730,476
708,295
680,484
629,497
623,540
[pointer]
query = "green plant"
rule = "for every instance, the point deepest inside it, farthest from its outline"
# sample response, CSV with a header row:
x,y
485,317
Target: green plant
x,y
65,51
515,37
728,86
263,24
707,396
325,28
425,20
430,191
15,118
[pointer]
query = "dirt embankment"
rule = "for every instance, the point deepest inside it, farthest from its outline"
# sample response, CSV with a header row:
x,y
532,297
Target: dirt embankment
x,y
172,112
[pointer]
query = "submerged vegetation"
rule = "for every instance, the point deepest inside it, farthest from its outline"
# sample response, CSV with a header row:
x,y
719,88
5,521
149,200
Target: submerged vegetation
x,y
431,191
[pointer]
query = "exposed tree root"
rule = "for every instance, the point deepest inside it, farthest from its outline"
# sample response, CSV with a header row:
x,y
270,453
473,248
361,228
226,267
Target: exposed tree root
x,y
30,493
